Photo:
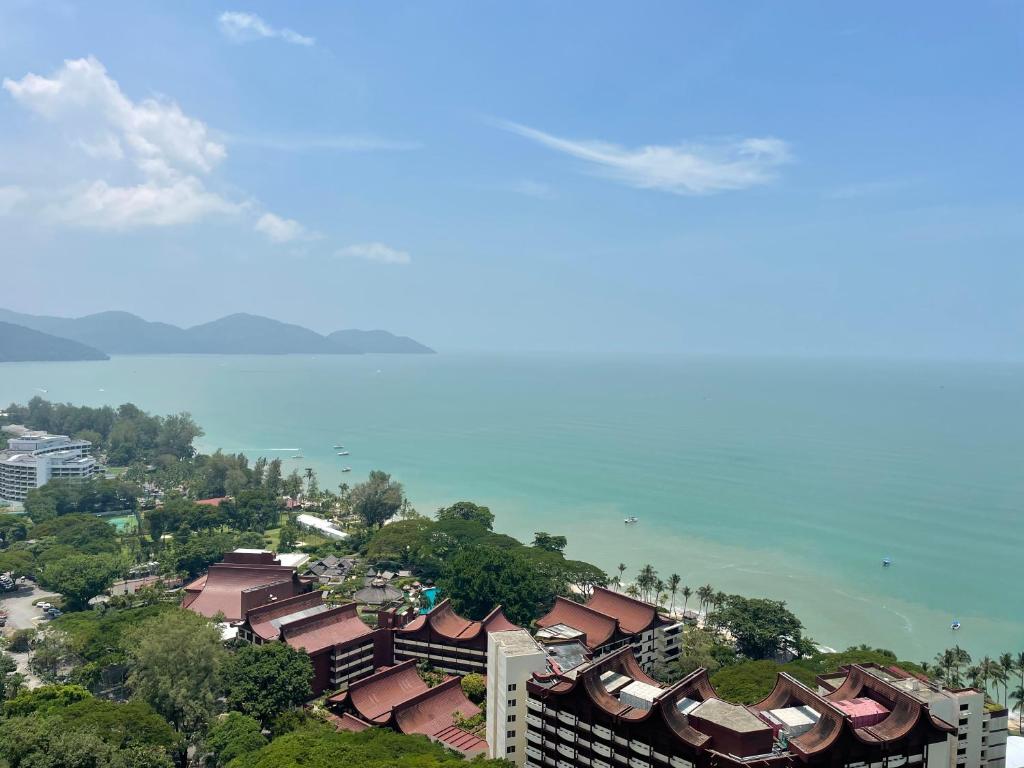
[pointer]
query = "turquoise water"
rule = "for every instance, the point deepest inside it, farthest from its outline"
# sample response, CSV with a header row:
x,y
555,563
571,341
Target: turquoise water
x,y
430,593
791,479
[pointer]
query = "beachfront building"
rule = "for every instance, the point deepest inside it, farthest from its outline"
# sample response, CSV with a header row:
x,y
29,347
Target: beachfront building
x,y
396,697
609,621
243,580
609,713
447,641
981,728
32,459
341,647
321,526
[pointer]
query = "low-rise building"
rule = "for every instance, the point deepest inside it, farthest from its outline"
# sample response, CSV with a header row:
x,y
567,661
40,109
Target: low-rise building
x,y
243,580
396,697
341,647
32,459
609,621
447,641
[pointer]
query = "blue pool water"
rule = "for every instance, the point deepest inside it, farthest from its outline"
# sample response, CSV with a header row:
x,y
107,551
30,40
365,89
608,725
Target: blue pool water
x,y
430,593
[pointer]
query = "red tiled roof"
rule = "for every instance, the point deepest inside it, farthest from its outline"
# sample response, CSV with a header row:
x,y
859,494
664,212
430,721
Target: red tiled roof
x,y
325,630
214,502
261,618
634,615
431,714
445,621
221,591
347,722
598,627
375,696
461,741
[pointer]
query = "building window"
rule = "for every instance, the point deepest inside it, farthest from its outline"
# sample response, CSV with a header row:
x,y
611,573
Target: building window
x,y
511,702
964,706
511,687
511,719
510,734
510,749
962,751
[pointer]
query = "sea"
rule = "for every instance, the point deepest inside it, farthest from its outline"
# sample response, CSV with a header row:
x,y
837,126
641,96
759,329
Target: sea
x,y
789,479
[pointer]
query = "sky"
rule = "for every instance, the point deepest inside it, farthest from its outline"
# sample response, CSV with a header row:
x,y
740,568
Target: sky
x,y
795,178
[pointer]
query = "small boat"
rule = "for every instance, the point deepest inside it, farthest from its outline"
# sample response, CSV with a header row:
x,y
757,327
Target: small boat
x,y
343,453
886,562
630,520
339,447
955,625
346,469
297,456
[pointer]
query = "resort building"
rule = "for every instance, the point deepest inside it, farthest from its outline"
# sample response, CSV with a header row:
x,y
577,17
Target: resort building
x,y
32,459
609,621
341,647
981,728
243,580
609,713
321,526
447,641
396,697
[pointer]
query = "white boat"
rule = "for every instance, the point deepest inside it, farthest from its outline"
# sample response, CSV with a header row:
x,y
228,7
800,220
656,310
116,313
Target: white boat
x,y
346,469
630,520
339,447
297,456
343,453
955,625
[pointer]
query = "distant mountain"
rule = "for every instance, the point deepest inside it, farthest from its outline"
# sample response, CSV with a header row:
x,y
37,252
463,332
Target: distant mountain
x,y
377,341
20,344
122,333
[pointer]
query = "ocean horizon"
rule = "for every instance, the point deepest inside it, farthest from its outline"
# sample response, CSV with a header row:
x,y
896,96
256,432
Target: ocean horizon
x,y
785,478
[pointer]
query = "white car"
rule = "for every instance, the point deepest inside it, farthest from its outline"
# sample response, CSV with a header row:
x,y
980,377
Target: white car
x,y
43,604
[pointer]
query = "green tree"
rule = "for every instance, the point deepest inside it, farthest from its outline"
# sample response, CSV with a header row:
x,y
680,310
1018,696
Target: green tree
x,y
481,577
262,681
762,628
50,743
475,687
175,664
80,578
673,587
467,510
378,499
234,735
544,540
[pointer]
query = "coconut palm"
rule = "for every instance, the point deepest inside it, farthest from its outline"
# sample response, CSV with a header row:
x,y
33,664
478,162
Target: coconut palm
x,y
622,571
704,594
633,591
647,580
944,664
1008,667
659,589
974,676
673,587
1017,699
688,593
961,658
719,599
988,667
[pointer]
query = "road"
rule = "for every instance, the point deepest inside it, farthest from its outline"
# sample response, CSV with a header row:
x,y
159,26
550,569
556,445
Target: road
x,y
22,614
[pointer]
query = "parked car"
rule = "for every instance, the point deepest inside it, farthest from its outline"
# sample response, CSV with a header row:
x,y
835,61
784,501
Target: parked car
x,y
42,604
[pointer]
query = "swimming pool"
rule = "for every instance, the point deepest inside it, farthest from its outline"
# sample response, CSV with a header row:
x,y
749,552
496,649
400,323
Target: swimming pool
x,y
430,596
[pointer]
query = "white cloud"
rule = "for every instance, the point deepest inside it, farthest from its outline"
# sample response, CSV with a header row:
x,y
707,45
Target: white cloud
x,y
382,254
101,206
242,27
159,155
10,198
156,135
281,230
684,169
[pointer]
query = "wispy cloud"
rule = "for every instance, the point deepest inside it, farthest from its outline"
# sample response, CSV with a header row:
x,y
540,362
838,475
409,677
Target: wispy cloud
x,y
335,143
240,27
282,230
382,254
684,169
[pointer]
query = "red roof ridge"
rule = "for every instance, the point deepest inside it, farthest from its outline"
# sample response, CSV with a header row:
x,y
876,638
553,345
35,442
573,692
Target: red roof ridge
x,y
608,624
634,616
376,695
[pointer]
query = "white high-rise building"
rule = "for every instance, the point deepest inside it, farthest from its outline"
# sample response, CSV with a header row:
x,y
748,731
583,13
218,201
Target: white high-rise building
x,y
512,657
32,459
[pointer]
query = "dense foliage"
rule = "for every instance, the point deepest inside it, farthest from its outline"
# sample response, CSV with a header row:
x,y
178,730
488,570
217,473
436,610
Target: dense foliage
x,y
233,735
320,746
60,497
263,681
762,628
479,578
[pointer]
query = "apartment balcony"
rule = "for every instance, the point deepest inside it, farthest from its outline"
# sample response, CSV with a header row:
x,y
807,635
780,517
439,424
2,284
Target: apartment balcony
x,y
567,717
533,720
565,749
535,705
678,762
533,736
640,748
566,734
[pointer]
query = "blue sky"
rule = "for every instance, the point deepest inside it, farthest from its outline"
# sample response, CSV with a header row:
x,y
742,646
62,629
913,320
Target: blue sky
x,y
769,178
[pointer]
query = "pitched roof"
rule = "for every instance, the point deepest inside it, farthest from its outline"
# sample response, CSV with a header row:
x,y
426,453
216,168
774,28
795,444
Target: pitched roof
x,y
598,627
375,696
634,615
266,620
222,589
431,713
324,630
446,622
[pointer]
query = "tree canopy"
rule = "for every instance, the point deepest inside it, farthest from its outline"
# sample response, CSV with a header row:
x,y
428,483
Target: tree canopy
x,y
234,735
467,510
762,628
263,681
479,578
378,499
79,578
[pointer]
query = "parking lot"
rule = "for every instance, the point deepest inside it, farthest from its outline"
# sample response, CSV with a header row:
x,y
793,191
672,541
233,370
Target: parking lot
x,y
22,614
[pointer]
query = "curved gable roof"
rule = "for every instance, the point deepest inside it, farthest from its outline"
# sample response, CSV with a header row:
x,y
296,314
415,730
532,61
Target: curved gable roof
x,y
446,622
375,696
225,582
325,630
262,619
634,615
596,626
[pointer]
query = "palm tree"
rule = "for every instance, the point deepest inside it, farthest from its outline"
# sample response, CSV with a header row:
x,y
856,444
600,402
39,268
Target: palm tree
x,y
646,580
974,676
673,587
622,570
632,590
688,593
1009,666
988,667
659,589
1017,698
704,594
944,664
961,658
1019,663
719,599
